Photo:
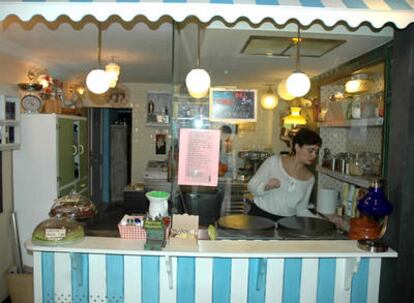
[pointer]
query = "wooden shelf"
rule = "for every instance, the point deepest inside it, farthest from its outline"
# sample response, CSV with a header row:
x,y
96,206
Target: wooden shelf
x,y
353,123
361,181
9,122
9,146
155,124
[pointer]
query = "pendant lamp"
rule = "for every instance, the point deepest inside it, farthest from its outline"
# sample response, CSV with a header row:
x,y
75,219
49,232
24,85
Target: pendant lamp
x,y
295,117
113,69
298,83
269,100
198,80
282,91
359,83
98,80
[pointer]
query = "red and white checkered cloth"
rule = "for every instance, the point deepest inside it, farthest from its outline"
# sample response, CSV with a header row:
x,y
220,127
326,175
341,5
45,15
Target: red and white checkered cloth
x,y
133,232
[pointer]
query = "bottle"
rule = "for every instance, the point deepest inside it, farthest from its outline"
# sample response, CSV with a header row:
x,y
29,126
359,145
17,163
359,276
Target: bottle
x,y
151,107
356,108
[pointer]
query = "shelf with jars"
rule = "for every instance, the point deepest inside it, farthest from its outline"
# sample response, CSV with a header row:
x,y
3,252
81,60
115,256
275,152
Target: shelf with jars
x,y
364,122
351,126
361,181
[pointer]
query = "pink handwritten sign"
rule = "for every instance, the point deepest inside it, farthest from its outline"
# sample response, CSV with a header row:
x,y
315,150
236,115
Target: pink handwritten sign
x,y
199,157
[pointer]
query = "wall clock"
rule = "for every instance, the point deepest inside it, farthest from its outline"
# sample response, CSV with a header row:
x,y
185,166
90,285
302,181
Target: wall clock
x,y
31,103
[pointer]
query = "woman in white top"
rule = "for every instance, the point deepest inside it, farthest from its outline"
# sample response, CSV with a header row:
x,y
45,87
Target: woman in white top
x,y
282,186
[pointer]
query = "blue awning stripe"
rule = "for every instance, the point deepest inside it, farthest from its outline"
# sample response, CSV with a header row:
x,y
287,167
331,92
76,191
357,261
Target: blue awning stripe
x,y
355,4
267,2
311,3
381,5
398,4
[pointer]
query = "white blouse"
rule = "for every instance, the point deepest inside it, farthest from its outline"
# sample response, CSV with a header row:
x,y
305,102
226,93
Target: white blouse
x,y
291,198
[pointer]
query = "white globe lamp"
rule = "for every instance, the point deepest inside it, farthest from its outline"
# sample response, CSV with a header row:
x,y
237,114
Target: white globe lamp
x,y
298,84
198,83
269,100
98,81
283,92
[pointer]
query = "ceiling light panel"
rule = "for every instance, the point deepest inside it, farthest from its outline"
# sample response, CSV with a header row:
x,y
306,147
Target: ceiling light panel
x,y
266,46
311,47
285,47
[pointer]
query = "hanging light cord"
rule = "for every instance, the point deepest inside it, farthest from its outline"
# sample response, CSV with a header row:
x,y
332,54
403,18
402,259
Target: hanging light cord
x,y
198,46
99,43
298,51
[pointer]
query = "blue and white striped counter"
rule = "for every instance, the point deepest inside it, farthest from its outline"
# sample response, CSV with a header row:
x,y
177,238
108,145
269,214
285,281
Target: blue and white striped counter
x,y
118,270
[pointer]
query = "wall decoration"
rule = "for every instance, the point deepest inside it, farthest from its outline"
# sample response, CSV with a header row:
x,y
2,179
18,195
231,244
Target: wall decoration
x,y
160,144
199,157
233,105
118,96
158,108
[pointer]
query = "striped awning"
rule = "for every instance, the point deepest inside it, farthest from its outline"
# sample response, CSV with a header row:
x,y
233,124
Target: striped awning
x,y
377,13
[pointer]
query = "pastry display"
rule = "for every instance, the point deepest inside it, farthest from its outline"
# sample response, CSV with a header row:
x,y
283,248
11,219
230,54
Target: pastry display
x,y
58,230
74,203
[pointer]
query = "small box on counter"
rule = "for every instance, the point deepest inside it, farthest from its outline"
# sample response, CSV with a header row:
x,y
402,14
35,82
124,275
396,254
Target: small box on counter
x,y
184,230
132,227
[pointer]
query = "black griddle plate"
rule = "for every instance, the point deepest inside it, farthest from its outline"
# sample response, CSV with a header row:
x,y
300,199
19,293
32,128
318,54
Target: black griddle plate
x,y
247,225
305,226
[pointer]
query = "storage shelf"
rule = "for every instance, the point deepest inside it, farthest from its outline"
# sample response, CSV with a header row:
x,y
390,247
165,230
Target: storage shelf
x,y
9,122
155,124
10,146
361,181
353,123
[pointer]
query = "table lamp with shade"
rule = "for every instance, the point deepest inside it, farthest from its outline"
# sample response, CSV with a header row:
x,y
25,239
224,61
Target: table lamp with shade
x,y
370,226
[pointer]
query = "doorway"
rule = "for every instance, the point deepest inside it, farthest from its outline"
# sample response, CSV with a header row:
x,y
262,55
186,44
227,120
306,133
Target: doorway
x,y
109,153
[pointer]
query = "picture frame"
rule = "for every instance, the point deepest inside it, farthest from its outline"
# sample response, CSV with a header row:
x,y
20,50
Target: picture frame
x,y
233,105
160,144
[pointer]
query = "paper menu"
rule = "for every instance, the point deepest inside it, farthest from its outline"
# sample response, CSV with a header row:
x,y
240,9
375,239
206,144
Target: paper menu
x,y
199,157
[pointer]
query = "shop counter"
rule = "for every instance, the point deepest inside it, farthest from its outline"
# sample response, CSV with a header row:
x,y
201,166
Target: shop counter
x,y
100,269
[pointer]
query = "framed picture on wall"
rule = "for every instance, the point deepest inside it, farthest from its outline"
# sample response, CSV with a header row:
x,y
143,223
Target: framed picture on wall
x,y
160,144
233,105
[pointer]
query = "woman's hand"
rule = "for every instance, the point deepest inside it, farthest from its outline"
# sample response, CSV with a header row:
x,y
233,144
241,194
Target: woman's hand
x,y
272,184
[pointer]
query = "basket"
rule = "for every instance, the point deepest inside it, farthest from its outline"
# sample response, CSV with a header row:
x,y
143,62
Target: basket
x,y
134,232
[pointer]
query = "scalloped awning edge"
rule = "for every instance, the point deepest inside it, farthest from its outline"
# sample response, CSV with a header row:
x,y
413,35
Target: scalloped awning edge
x,y
205,12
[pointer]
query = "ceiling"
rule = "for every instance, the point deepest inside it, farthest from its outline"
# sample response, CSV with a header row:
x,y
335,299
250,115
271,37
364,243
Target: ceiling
x,y
164,52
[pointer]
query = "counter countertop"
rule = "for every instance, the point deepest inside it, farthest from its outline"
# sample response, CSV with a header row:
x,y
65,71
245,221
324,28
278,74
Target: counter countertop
x,y
222,248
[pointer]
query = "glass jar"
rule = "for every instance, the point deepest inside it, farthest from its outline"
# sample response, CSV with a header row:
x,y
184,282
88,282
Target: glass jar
x,y
327,158
355,166
369,107
356,107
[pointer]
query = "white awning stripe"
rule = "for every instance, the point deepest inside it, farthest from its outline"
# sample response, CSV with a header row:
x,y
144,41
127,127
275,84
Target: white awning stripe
x,y
330,12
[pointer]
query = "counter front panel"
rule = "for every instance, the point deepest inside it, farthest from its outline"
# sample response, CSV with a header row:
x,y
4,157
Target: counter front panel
x,y
88,277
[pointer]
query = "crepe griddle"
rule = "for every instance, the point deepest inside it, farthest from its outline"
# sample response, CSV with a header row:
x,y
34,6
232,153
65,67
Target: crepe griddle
x,y
306,226
247,225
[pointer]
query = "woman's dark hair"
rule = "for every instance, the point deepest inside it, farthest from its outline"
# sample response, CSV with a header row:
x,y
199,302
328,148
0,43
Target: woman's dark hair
x,y
225,129
305,137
